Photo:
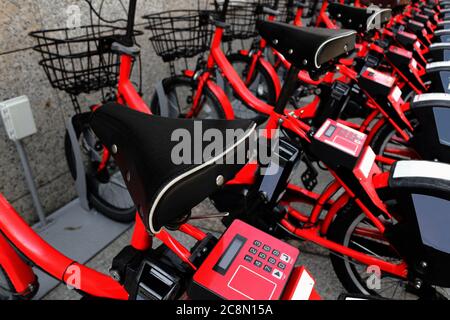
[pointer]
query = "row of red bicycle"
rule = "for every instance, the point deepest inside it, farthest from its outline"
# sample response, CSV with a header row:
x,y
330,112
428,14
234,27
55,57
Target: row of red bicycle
x,y
361,95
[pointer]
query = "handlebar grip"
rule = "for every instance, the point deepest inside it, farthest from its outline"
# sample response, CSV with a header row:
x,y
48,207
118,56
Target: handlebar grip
x,y
270,11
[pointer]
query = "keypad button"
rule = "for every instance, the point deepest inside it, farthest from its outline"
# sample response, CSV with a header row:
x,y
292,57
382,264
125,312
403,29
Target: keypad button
x,y
258,263
257,243
267,268
281,265
253,251
272,260
277,274
266,248
285,258
276,253
262,255
248,258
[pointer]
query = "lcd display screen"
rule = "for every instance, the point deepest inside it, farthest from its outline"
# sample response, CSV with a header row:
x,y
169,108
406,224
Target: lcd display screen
x,y
331,129
230,254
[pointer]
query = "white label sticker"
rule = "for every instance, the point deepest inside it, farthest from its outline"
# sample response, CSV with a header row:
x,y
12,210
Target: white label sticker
x,y
304,287
397,94
367,162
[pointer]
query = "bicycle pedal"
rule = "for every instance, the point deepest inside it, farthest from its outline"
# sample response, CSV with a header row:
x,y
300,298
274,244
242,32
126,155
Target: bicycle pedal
x,y
309,180
309,177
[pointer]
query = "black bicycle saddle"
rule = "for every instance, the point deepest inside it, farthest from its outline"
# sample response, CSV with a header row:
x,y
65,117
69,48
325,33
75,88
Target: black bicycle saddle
x,y
163,186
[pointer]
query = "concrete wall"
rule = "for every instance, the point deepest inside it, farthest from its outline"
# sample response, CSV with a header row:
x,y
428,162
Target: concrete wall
x,y
20,74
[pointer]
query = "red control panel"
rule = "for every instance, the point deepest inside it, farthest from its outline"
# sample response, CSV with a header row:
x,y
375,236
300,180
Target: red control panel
x,y
409,35
246,264
342,137
401,52
379,77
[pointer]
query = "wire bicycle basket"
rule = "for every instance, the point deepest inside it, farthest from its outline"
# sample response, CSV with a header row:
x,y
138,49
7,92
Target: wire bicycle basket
x,y
287,11
79,60
241,16
179,33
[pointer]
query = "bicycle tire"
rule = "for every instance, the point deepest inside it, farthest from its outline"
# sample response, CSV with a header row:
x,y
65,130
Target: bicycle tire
x,y
96,200
265,89
171,87
346,219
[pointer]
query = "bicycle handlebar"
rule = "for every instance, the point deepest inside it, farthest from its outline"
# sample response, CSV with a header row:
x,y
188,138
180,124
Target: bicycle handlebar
x,y
130,23
276,4
223,17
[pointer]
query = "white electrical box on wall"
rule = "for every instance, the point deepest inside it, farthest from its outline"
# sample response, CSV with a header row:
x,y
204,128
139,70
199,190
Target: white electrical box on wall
x,y
18,118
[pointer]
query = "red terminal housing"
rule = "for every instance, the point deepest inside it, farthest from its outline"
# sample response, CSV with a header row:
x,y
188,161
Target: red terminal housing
x,y
248,264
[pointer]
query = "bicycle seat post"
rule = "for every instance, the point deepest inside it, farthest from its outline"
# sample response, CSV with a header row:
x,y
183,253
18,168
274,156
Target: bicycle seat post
x,y
288,89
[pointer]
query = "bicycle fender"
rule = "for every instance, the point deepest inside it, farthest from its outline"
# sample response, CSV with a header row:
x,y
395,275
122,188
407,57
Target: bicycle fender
x,y
222,97
273,75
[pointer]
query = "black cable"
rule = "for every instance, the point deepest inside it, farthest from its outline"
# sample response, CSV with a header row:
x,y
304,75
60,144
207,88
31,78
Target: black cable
x,y
89,2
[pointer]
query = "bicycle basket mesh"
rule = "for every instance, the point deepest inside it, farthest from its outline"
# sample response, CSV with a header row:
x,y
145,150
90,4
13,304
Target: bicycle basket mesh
x,y
287,11
79,60
179,33
241,17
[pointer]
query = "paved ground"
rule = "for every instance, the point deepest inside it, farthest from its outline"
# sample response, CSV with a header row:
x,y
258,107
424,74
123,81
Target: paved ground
x,y
314,258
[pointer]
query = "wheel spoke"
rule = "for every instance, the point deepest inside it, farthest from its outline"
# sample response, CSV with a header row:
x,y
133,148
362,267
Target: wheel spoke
x,y
366,249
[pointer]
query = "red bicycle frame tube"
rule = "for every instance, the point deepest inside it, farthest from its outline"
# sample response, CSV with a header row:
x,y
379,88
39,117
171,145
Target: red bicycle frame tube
x,y
204,80
19,273
311,234
39,252
126,91
141,239
218,57
324,18
22,237
298,17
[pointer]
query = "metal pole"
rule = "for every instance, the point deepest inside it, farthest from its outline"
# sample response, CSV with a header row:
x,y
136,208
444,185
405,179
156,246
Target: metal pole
x,y
30,182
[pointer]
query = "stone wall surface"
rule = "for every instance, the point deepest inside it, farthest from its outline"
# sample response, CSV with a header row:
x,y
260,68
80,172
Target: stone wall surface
x,y
20,74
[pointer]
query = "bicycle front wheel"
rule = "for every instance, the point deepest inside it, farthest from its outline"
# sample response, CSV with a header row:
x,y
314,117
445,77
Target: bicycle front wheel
x,y
106,188
180,92
260,84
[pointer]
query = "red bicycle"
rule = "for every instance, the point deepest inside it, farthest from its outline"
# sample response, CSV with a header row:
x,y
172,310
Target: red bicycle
x,y
356,226
197,93
396,133
84,61
140,272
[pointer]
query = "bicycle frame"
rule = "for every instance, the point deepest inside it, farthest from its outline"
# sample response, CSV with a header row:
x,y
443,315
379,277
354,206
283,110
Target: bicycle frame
x,y
15,234
309,110
17,237
218,58
258,57
126,92
323,18
316,228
